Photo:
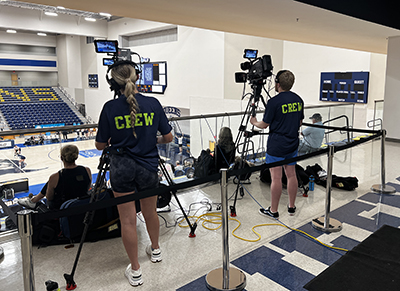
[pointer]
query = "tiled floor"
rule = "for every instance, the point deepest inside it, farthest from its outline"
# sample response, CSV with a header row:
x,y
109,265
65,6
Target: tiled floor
x,y
281,259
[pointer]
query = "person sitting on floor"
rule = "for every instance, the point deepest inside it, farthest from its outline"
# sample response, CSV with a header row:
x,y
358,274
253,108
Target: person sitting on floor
x,y
224,149
70,182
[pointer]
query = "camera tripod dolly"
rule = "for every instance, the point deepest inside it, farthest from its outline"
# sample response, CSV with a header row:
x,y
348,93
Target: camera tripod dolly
x,y
103,167
245,145
170,183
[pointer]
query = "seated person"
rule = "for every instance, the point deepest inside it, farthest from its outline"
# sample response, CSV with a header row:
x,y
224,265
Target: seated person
x,y
312,136
70,182
178,166
224,149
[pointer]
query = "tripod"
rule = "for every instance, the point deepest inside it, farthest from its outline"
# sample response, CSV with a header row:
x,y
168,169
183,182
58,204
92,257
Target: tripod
x,y
103,167
247,145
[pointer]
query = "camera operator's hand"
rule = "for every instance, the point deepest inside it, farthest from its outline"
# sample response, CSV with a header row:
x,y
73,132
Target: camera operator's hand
x,y
259,124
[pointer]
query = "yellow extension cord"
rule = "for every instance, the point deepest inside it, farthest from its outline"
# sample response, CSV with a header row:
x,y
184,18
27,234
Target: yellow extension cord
x,y
217,220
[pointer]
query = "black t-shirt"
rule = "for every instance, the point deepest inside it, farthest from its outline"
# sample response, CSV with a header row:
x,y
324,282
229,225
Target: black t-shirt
x,y
72,183
224,156
115,123
283,114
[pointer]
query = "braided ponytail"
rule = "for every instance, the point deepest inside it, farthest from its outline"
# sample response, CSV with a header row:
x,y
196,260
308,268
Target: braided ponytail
x,y
125,76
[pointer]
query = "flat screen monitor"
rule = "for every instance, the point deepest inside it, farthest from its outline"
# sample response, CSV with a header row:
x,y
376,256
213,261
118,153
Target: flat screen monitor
x,y
106,46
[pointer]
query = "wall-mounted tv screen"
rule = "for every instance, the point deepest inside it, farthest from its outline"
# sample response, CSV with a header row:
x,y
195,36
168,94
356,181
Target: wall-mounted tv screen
x,y
153,78
344,87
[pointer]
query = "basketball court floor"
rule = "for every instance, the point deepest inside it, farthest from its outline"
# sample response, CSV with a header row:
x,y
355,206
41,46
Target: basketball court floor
x,y
271,255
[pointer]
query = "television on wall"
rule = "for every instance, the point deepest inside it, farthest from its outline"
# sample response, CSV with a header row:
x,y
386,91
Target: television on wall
x,y
344,87
153,78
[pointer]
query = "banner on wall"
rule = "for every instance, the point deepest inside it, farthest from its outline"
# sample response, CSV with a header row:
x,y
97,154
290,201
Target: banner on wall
x,y
172,111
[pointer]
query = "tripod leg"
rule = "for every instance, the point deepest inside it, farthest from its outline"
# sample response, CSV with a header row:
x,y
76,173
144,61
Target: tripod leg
x,y
170,182
233,207
103,167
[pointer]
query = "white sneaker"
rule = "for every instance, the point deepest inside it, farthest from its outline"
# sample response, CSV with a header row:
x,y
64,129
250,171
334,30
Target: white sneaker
x,y
155,254
27,203
134,277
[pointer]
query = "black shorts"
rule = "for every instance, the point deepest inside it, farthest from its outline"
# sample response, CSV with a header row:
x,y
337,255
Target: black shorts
x,y
128,176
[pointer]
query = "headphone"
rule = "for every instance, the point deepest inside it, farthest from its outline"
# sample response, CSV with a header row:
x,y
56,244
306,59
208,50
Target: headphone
x,y
114,86
278,75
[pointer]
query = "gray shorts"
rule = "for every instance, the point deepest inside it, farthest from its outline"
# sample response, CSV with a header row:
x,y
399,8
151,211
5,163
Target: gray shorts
x,y
128,176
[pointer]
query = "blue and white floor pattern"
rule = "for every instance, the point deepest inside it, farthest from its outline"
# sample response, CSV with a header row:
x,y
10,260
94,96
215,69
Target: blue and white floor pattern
x,y
293,260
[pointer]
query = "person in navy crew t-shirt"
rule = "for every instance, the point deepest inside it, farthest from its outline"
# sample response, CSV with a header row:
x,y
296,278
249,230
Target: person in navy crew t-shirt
x,y
283,115
129,125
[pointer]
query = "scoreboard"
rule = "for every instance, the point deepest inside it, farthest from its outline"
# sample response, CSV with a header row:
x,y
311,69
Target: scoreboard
x,y
344,87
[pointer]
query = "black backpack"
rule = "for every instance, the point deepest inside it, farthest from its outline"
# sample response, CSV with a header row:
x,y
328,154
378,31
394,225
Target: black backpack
x,y
204,165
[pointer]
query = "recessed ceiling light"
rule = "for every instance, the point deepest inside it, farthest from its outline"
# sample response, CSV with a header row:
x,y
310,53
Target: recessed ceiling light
x,y
51,13
11,31
105,14
41,34
90,19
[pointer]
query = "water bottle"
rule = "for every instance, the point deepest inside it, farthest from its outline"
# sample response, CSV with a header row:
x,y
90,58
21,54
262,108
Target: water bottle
x,y
311,183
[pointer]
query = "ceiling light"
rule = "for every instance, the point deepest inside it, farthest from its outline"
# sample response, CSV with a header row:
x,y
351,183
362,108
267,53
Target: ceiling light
x,y
11,31
41,34
90,19
105,14
51,13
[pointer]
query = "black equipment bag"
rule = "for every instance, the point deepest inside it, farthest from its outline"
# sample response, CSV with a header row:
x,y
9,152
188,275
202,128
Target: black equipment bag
x,y
344,183
69,229
204,165
105,222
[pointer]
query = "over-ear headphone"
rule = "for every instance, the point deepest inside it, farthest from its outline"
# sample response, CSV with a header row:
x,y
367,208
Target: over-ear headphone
x,y
114,86
278,75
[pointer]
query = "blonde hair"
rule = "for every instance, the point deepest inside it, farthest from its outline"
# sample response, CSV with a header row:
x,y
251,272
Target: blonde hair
x,y
69,153
125,76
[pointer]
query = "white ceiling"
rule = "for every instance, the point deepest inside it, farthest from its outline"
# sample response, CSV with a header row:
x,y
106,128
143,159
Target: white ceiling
x,y
278,19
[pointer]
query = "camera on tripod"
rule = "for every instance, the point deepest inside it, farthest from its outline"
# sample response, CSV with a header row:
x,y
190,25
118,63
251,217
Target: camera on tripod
x,y
259,68
110,47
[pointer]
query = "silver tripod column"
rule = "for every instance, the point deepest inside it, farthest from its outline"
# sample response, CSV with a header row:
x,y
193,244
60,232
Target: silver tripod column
x,y
25,232
225,278
383,188
326,223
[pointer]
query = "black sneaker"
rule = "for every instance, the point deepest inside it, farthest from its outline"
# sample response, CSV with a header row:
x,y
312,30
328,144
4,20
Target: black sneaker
x,y
291,210
268,212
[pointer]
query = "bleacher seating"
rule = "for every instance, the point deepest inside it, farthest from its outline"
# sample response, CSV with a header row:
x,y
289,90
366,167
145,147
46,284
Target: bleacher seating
x,y
29,107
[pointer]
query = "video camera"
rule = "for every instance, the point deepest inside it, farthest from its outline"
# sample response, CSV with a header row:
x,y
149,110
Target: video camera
x,y
110,47
258,69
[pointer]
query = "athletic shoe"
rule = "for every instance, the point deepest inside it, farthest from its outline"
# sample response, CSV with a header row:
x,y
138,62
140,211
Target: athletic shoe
x,y
134,277
27,203
269,213
155,254
291,210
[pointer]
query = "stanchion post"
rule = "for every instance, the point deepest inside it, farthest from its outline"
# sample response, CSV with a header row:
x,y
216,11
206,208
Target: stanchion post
x,y
25,232
325,223
383,188
225,278
225,234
